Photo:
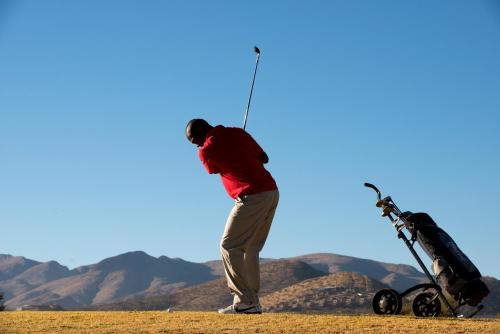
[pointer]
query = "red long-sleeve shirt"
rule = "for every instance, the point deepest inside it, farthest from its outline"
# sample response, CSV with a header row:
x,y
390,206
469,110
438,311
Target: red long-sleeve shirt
x,y
236,156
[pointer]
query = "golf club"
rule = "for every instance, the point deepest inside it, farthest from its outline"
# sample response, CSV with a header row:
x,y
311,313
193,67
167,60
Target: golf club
x,y
257,51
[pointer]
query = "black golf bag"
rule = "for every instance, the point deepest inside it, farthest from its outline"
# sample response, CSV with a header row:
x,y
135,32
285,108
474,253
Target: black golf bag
x,y
454,273
452,268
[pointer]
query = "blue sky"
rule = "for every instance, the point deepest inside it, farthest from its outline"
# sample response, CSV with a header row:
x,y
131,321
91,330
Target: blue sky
x,y
95,96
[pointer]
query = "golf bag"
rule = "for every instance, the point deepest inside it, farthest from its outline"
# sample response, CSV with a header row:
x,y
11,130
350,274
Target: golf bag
x,y
454,273
452,268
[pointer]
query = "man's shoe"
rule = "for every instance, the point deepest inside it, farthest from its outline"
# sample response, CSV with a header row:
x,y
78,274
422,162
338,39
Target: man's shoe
x,y
241,309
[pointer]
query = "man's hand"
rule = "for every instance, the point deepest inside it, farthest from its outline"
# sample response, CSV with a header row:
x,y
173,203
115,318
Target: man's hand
x,y
264,158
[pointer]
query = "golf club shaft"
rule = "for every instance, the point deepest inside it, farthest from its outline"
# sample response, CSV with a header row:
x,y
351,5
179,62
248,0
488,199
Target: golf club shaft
x,y
251,89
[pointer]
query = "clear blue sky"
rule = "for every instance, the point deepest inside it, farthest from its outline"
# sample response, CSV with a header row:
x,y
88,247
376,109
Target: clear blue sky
x,y
95,96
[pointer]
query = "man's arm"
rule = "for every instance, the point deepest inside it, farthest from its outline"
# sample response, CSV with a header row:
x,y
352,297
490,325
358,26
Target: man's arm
x,y
208,163
260,152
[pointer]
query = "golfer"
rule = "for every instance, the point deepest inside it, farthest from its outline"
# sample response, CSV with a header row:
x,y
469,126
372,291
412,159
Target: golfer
x,y
236,156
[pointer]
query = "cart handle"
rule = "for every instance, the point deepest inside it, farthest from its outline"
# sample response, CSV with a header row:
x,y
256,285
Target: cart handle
x,y
369,185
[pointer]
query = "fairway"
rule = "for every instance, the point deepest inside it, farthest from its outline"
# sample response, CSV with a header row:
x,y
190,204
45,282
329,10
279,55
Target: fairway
x,y
204,322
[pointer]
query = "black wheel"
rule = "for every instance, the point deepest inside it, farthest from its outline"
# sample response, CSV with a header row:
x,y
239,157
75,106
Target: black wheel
x,y
426,304
387,301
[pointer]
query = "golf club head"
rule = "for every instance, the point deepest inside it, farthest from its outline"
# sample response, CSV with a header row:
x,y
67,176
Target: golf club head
x,y
256,49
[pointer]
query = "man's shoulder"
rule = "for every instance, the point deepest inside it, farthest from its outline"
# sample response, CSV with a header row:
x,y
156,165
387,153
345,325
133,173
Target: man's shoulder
x,y
226,132
222,136
222,128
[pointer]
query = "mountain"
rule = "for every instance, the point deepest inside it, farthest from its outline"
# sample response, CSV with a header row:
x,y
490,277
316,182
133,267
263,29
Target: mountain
x,y
397,276
11,266
215,294
33,277
344,292
136,280
492,301
133,274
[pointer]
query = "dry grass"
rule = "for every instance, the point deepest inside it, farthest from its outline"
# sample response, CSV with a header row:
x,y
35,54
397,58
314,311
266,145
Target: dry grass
x,y
204,322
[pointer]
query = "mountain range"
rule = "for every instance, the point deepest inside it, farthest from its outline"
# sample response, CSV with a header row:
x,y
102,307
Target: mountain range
x,y
310,283
128,275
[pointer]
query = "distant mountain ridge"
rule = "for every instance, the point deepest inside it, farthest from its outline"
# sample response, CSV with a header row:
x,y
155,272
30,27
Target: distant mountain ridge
x,y
136,280
211,295
11,266
132,274
397,276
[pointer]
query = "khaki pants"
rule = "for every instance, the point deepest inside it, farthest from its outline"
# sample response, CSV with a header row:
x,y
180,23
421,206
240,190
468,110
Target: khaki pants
x,y
246,232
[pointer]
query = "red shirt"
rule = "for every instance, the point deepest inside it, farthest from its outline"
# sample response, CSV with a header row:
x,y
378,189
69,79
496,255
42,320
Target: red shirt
x,y
236,156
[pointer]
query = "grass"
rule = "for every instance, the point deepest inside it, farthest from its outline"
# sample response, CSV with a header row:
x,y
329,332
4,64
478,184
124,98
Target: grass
x,y
204,322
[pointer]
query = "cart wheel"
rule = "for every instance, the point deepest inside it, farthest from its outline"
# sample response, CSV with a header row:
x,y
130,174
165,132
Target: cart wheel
x,y
426,305
387,301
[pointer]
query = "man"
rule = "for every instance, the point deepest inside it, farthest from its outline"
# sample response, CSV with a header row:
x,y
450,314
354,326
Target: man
x,y
236,156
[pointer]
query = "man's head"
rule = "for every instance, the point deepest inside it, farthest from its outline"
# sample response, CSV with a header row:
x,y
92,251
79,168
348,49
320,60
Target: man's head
x,y
196,131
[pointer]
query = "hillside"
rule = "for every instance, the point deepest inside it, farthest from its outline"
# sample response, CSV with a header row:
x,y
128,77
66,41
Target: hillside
x,y
136,280
340,293
31,276
215,294
492,301
397,276
133,274
11,266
